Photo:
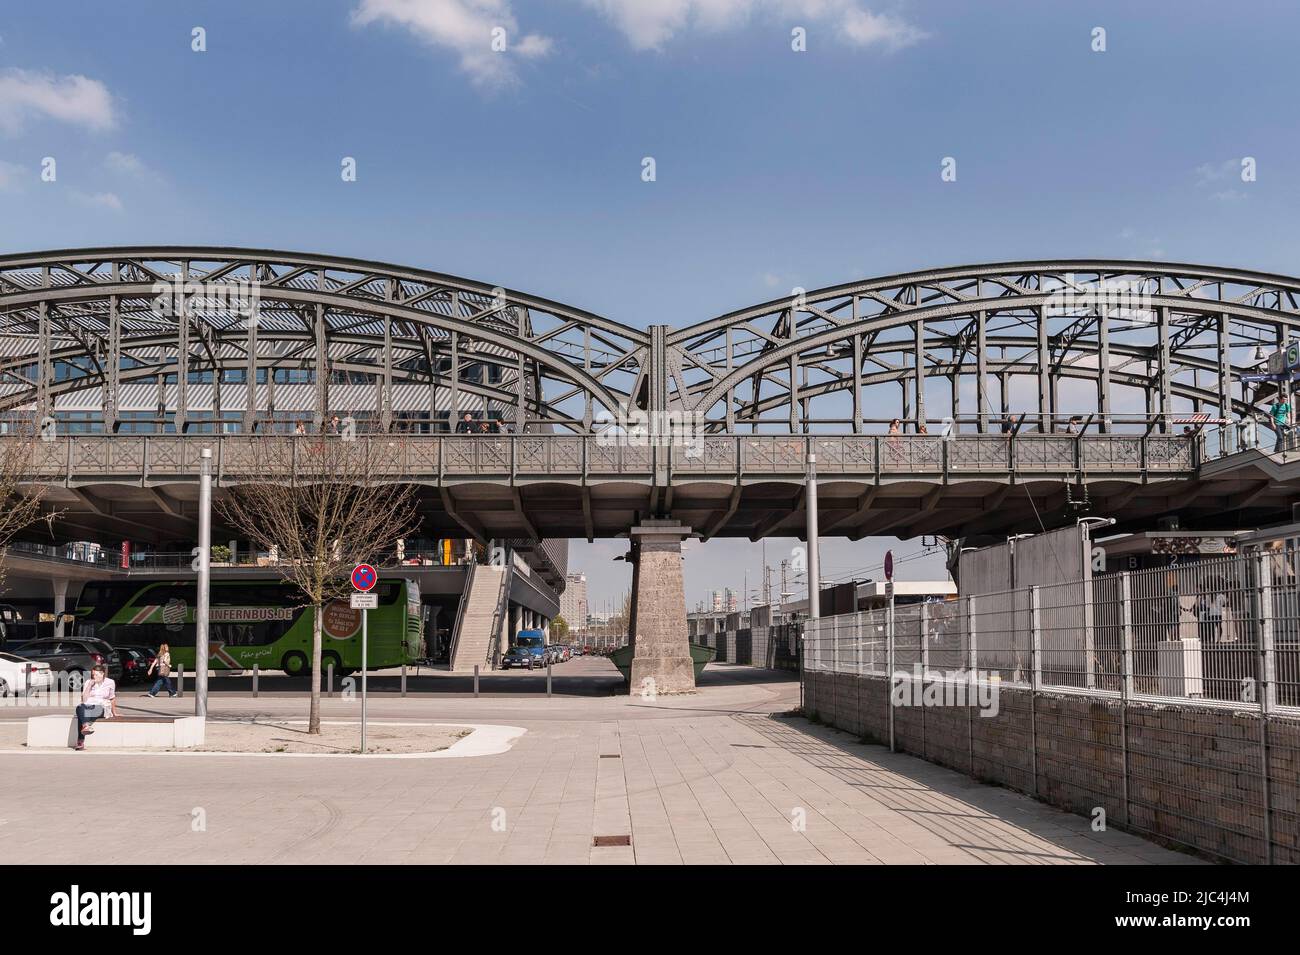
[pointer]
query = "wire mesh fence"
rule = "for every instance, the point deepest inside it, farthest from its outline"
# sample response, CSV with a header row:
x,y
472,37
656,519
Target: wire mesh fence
x,y
1223,631
1167,699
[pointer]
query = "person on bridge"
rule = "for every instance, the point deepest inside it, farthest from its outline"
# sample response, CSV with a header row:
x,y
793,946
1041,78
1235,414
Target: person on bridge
x,y
162,664
98,700
466,424
1280,411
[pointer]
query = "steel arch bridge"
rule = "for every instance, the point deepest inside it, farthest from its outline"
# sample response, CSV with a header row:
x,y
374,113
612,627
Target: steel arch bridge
x,y
140,355
184,338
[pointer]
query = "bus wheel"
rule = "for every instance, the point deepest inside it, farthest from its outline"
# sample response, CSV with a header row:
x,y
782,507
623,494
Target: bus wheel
x,y
294,663
328,657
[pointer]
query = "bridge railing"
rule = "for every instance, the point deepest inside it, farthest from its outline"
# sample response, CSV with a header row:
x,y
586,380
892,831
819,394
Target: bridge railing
x,y
441,457
1237,436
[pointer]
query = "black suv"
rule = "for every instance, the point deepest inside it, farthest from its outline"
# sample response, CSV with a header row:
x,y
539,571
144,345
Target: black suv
x,y
75,657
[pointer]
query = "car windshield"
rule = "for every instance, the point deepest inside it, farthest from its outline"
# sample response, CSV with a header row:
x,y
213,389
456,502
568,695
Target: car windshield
x,y
10,658
530,641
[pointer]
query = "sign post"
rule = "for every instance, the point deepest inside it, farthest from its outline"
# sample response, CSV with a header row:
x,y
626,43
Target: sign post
x,y
364,578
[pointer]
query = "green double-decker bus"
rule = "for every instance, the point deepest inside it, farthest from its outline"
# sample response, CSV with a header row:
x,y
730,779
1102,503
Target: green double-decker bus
x,y
255,622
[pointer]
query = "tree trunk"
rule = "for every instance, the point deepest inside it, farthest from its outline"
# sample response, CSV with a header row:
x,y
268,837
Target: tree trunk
x,y
313,720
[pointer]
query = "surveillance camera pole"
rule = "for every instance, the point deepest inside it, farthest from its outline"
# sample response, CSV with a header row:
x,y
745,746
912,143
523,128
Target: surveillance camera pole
x,y
205,570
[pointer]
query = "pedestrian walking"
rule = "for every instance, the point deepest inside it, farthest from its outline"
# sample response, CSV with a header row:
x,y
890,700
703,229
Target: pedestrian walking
x,y
162,666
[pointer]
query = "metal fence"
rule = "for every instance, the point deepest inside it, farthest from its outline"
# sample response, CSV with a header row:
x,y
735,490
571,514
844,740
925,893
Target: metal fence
x,y
1168,700
1224,632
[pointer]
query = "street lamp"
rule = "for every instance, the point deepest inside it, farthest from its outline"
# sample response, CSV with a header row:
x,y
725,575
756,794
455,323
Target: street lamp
x,y
205,573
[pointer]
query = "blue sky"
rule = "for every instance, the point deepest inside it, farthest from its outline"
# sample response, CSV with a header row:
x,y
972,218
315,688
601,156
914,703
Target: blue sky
x,y
773,168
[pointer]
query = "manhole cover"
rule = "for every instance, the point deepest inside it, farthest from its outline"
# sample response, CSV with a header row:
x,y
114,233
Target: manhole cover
x,y
611,840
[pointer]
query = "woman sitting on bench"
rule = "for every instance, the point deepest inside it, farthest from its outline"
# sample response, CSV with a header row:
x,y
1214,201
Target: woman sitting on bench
x,y
98,700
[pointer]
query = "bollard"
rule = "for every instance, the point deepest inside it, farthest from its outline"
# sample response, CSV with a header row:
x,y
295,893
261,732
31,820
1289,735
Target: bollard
x,y
329,675
476,679
180,682
403,679
254,681
548,679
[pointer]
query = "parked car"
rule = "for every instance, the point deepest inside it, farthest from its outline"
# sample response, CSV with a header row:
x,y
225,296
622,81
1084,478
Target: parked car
x,y
518,658
135,665
534,642
19,675
136,660
75,657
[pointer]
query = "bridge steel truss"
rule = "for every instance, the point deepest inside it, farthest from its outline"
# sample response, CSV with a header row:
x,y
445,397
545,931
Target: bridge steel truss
x,y
984,354
1114,340
964,348
78,328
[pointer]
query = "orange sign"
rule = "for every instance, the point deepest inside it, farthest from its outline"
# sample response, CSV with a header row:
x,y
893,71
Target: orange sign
x,y
341,621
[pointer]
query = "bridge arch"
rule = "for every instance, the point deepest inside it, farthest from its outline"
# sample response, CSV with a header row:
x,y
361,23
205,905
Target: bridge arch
x,y
82,329
1179,336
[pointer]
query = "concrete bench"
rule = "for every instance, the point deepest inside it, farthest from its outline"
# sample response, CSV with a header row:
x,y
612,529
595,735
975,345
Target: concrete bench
x,y
125,732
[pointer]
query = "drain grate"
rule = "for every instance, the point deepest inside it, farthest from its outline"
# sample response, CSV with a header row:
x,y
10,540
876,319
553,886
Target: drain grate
x,y
610,756
611,840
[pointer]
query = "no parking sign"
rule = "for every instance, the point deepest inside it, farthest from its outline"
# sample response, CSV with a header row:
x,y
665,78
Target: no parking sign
x,y
364,578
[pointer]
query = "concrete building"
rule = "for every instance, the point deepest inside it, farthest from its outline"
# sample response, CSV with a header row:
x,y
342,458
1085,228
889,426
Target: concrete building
x,y
573,601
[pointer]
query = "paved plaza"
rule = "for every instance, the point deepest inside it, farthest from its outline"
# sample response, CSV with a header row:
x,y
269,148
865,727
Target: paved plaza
x,y
720,776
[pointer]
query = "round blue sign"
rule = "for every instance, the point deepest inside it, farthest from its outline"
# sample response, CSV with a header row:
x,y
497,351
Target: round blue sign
x,y
364,577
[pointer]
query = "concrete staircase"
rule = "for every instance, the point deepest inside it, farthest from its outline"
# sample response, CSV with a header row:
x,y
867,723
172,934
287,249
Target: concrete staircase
x,y
478,610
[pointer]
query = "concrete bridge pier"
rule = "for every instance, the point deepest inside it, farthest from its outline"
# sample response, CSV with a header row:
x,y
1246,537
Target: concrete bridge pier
x,y
661,660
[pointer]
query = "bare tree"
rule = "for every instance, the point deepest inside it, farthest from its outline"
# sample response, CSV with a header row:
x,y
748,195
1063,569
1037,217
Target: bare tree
x,y
21,493
322,504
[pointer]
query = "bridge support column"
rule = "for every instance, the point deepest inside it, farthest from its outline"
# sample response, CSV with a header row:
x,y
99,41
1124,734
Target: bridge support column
x,y
60,587
661,661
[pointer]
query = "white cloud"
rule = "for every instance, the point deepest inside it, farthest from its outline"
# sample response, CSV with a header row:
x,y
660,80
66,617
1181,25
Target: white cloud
x,y
1214,172
127,164
99,200
70,99
648,24
463,26
864,28
11,176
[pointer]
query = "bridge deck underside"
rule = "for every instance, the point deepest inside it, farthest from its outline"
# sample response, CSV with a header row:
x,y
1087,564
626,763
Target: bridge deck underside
x,y
1253,492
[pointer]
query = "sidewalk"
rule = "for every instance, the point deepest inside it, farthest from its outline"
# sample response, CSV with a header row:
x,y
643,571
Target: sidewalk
x,y
716,777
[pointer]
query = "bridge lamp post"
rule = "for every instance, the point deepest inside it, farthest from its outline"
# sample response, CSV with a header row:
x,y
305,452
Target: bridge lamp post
x,y
205,573
814,565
